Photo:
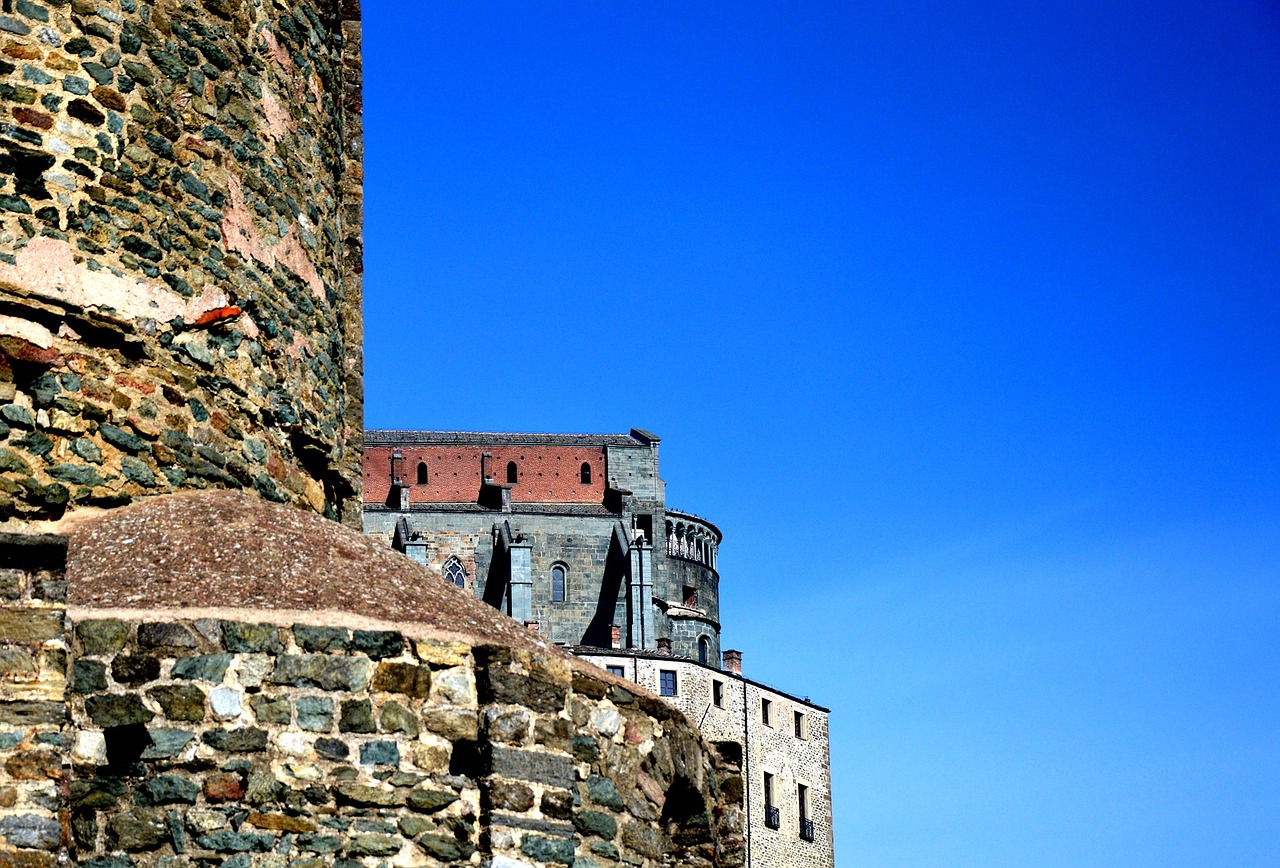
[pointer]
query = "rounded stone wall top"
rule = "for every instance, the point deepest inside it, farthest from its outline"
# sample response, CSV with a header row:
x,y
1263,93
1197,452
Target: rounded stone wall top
x,y
224,551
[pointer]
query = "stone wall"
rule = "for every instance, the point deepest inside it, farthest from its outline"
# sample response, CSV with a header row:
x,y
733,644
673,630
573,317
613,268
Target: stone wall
x,y
180,252
209,741
33,662
583,544
773,748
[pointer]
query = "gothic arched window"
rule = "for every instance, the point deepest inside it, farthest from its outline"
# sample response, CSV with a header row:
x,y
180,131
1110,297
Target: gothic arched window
x,y
704,648
422,473
455,573
559,584
512,473
586,473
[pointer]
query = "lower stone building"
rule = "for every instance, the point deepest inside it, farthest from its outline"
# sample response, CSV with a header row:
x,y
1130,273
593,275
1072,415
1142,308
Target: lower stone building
x,y
207,679
570,535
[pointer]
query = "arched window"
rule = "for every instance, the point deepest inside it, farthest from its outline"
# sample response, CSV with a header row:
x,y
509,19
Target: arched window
x,y
704,648
422,473
455,573
586,473
559,584
512,473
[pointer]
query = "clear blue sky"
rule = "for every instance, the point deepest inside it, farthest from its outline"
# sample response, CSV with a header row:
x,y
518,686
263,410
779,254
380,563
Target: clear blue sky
x,y
961,319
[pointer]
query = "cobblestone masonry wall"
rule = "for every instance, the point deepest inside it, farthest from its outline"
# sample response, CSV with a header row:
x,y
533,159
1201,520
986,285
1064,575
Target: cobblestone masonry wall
x,y
199,742
180,252
33,662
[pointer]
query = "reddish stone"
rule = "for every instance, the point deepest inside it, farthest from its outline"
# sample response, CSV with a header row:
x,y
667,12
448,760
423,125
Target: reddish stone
x,y
223,787
217,315
109,98
33,118
34,765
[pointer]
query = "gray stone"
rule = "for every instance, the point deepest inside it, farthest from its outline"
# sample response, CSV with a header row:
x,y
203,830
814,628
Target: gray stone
x,y
166,790
135,668
226,841
547,849
23,712
166,743
244,740
595,823
166,635
179,701
603,792
394,717
549,769
645,840
315,713
31,830
357,716
332,748
271,709
13,25
311,638
378,644
373,845
102,637
379,753
243,638
442,848
349,674
430,801
143,829
369,797
202,667
225,702
117,710
88,676
95,792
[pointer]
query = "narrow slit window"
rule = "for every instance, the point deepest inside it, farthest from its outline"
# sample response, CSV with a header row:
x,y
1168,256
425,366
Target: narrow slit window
x,y
802,725
559,589
585,473
766,712
703,650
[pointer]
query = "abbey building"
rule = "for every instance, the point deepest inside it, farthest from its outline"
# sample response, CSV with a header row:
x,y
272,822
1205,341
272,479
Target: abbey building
x,y
570,535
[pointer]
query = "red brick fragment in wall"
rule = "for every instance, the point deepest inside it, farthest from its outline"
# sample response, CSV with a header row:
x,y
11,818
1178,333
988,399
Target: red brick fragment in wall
x,y
217,315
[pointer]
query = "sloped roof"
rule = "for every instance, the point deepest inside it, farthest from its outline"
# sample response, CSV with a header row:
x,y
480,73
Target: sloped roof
x,y
226,550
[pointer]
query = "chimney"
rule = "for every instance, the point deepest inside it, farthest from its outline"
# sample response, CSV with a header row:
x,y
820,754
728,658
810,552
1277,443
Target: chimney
x,y
733,662
402,496
664,647
615,636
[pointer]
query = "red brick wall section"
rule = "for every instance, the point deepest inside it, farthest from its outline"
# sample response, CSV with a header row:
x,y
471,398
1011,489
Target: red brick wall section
x,y
545,474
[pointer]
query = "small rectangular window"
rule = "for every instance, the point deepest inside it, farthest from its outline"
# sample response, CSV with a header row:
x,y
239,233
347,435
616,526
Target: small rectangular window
x,y
616,670
772,816
717,693
766,712
802,725
667,682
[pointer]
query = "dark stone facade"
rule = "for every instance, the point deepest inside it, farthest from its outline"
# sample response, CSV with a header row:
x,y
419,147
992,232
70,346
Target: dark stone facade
x,y
628,563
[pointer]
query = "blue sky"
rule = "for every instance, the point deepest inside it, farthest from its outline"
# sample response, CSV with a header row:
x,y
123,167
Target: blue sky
x,y
960,320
